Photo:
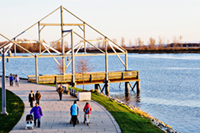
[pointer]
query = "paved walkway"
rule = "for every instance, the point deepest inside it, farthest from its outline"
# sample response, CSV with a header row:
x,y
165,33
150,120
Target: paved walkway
x,y
56,113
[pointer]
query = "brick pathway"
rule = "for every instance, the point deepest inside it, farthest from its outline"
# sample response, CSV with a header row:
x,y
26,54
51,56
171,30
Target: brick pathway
x,y
56,113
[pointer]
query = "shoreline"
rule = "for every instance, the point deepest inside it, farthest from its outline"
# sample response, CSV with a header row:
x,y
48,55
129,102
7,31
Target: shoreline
x,y
160,124
154,121
139,51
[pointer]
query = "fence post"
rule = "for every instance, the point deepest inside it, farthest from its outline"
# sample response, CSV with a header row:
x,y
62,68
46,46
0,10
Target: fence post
x,y
55,81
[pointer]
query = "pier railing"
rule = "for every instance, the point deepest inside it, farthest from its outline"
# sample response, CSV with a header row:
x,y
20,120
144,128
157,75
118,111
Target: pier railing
x,y
88,78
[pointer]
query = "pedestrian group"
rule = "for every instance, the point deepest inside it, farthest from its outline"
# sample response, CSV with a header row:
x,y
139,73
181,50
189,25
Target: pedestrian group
x,y
14,78
74,110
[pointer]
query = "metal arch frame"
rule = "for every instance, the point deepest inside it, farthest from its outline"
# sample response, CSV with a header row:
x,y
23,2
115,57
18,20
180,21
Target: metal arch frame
x,y
107,42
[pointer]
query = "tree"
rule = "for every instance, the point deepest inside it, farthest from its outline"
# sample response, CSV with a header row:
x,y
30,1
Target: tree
x,y
130,44
140,42
161,42
123,42
181,37
66,46
152,43
82,66
136,43
175,42
60,67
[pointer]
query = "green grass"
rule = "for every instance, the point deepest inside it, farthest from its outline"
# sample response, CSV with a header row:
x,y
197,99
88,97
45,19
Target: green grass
x,y
128,120
15,109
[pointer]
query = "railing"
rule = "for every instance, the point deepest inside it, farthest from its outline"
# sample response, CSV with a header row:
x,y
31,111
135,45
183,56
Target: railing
x,y
87,77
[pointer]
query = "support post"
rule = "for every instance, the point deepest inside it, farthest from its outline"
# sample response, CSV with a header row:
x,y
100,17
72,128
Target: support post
x,y
14,47
126,68
138,88
106,76
55,81
62,40
36,69
107,88
126,89
73,59
96,87
126,61
138,84
39,37
84,37
3,87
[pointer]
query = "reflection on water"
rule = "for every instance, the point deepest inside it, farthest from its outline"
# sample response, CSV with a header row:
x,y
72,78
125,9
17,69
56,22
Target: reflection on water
x,y
133,98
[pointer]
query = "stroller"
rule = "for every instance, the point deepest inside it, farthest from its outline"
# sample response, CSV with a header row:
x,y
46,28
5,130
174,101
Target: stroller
x,y
77,121
29,121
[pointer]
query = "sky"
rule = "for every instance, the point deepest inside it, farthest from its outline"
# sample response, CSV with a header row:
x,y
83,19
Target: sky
x,y
130,19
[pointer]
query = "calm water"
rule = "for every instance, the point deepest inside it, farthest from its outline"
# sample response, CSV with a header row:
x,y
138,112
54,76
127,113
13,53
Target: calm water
x,y
170,84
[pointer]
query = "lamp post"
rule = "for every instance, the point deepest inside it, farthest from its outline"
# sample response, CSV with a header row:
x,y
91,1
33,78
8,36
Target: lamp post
x,y
3,87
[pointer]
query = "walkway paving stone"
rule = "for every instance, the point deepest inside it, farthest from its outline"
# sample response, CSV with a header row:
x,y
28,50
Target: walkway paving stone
x,y
56,113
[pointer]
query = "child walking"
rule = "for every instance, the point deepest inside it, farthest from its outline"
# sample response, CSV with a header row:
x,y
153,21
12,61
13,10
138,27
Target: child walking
x,y
87,109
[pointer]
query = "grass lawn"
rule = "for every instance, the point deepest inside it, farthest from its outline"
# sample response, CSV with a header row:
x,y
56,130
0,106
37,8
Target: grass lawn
x,y
128,120
15,109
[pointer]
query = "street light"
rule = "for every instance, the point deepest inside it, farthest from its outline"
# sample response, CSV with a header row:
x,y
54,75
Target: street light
x,y
3,87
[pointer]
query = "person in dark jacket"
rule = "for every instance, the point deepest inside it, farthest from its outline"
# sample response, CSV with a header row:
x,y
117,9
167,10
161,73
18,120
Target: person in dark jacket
x,y
11,79
60,91
37,111
38,97
74,111
31,98
87,109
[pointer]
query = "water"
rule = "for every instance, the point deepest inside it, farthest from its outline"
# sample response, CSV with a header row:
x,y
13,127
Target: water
x,y
169,84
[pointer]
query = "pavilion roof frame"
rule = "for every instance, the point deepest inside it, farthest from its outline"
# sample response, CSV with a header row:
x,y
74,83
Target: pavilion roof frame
x,y
107,42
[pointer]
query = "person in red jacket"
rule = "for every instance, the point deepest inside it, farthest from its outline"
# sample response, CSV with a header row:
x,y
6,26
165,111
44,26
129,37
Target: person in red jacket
x,y
87,109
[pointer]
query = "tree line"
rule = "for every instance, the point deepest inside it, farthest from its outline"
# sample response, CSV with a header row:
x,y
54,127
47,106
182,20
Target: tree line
x,y
138,45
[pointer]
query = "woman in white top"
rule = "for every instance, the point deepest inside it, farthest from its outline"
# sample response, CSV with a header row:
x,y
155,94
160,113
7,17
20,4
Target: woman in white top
x,y
17,80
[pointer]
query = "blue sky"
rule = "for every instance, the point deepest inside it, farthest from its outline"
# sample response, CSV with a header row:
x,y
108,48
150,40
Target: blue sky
x,y
114,18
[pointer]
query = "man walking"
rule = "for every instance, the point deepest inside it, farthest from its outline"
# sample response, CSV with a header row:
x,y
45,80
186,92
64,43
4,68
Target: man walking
x,y
31,98
74,110
60,91
37,114
87,109
11,79
37,97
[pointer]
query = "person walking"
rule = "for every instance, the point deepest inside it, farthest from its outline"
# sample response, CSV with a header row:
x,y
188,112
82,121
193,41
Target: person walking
x,y
31,98
60,91
17,80
11,79
37,111
38,97
74,111
87,109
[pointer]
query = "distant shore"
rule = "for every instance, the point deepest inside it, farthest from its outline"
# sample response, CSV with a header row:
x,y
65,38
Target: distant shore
x,y
164,51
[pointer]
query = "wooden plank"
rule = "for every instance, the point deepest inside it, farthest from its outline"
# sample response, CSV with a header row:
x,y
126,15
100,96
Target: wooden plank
x,y
65,55
58,24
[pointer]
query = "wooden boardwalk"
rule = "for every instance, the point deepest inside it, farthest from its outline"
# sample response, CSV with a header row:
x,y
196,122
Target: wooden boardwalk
x,y
95,78
88,78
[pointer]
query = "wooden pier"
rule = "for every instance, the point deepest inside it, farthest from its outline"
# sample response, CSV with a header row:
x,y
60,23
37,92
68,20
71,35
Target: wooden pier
x,y
95,78
78,41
